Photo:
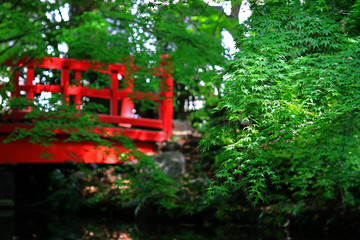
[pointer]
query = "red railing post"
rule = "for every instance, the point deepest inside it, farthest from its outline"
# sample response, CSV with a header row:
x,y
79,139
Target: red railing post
x,y
65,81
114,93
29,82
127,105
166,88
77,98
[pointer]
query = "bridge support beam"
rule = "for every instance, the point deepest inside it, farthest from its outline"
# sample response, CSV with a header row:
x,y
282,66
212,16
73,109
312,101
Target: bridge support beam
x,y
22,151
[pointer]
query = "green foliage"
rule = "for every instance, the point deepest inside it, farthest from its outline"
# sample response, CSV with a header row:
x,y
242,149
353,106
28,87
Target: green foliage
x,y
353,21
110,31
147,188
146,184
20,30
137,185
56,115
291,102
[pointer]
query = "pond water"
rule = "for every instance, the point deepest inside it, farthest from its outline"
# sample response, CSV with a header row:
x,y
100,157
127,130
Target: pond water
x,y
30,220
35,224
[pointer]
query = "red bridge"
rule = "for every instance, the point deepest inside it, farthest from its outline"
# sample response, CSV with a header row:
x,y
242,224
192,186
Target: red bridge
x,y
145,132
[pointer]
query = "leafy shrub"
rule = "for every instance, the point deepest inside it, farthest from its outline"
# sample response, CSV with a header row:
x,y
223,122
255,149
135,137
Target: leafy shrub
x,y
291,103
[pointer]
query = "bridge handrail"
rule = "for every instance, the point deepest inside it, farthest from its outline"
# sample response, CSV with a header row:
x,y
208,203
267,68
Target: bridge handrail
x,y
126,116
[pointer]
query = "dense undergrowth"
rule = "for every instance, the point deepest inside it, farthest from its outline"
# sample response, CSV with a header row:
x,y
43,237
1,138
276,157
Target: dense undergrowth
x,y
144,193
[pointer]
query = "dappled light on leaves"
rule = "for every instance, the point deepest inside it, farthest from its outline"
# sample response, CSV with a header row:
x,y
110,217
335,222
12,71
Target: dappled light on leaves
x,y
294,82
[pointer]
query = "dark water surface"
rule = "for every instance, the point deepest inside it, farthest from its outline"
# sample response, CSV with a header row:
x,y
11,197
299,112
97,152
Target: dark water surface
x,y
36,224
30,220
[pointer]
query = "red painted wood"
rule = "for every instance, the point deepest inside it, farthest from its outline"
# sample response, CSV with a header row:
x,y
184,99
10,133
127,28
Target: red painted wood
x,y
78,95
166,105
65,81
96,93
127,105
152,130
29,82
114,94
137,134
76,91
23,151
141,122
73,64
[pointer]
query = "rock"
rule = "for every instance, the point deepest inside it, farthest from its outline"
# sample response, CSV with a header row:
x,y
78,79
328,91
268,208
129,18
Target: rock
x,y
172,163
170,146
181,128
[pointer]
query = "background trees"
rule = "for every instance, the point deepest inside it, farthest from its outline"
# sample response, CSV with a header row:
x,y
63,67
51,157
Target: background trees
x,y
109,31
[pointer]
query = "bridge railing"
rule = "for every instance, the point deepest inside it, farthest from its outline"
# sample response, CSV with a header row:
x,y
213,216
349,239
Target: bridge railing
x,y
121,100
